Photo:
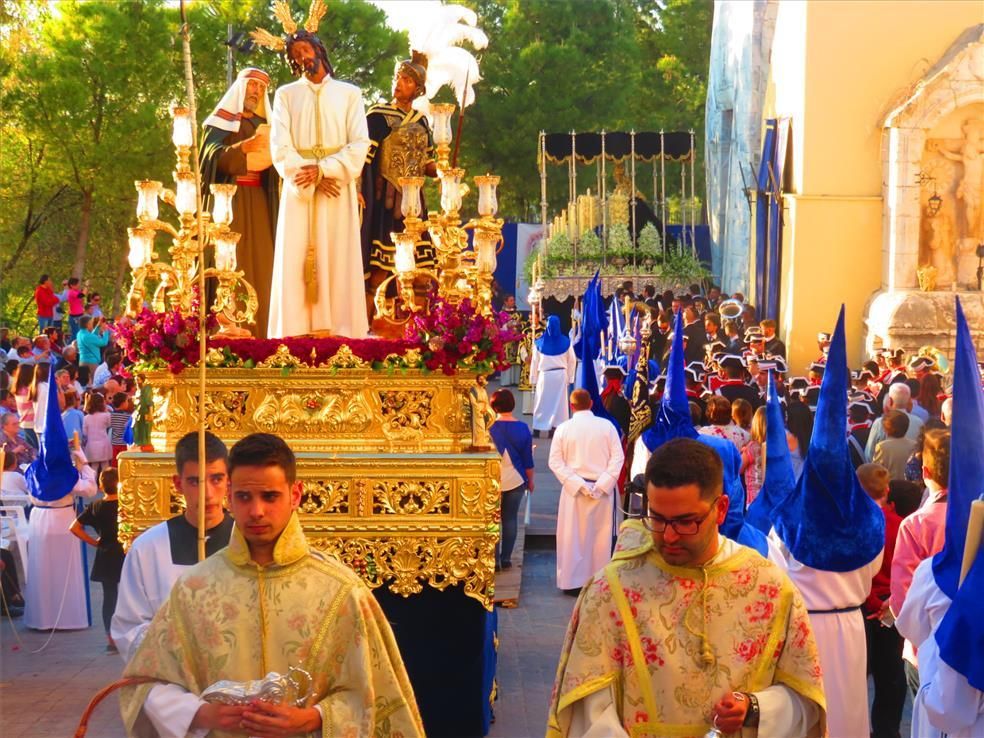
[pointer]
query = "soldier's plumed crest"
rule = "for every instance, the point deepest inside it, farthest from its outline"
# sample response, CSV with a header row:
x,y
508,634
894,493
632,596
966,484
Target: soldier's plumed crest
x,y
281,10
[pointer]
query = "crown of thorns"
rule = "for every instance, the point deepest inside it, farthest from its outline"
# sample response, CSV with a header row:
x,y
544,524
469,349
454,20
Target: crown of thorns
x,y
281,11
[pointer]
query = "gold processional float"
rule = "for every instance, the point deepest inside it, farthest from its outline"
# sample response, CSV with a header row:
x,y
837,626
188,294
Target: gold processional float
x,y
400,479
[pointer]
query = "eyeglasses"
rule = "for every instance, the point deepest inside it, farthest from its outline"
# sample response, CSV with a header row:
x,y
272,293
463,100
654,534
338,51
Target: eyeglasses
x,y
689,527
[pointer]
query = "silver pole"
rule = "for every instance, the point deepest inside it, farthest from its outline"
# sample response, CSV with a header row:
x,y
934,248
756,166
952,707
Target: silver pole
x,y
683,201
632,201
229,58
693,191
604,201
662,177
572,206
543,192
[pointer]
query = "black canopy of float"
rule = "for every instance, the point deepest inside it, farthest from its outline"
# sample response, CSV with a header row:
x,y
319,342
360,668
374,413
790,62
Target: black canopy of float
x,y
675,146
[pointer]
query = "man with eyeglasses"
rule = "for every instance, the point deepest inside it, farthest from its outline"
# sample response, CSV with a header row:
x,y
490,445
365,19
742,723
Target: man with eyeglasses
x,y
686,630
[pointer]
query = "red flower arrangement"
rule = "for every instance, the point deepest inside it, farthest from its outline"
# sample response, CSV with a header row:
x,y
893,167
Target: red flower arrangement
x,y
452,337
157,340
447,337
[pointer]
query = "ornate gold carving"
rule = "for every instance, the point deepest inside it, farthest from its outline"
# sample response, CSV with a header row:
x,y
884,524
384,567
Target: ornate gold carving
x,y
345,359
167,413
325,412
321,497
282,358
412,498
224,411
398,521
405,413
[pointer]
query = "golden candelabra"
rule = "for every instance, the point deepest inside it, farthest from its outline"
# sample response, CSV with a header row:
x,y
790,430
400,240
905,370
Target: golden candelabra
x,y
235,302
461,272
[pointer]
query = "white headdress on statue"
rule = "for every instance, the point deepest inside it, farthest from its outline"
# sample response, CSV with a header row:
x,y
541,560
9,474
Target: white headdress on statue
x,y
229,111
437,36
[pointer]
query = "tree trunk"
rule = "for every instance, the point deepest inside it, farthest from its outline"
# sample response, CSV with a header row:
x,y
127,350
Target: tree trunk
x,y
118,306
85,223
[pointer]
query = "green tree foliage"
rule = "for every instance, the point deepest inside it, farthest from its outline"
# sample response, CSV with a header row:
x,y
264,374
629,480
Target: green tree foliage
x,y
86,86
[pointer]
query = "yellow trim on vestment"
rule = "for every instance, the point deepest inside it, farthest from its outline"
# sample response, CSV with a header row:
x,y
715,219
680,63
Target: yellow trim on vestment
x,y
589,687
635,643
291,547
804,689
669,730
760,679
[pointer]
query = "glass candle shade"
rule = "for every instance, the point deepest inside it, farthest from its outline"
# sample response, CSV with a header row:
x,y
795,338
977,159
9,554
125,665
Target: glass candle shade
x,y
441,123
488,204
405,258
485,243
148,191
451,190
222,195
185,196
410,204
225,251
141,247
181,130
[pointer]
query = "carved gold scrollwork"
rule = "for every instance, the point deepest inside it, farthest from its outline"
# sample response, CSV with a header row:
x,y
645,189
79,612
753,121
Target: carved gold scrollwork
x,y
321,497
224,411
281,358
411,498
168,413
345,359
327,412
405,413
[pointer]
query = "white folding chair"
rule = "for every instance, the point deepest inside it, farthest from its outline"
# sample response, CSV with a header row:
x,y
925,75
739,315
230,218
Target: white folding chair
x,y
14,530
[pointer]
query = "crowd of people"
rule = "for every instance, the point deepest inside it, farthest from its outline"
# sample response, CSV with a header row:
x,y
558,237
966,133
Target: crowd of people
x,y
882,450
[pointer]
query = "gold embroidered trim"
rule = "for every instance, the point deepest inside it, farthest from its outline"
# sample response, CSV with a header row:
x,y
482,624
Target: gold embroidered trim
x,y
760,676
810,691
330,616
668,730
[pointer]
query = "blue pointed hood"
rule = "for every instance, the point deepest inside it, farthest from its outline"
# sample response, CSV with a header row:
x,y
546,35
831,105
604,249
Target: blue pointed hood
x,y
553,341
589,347
966,457
673,421
828,522
52,475
779,477
960,635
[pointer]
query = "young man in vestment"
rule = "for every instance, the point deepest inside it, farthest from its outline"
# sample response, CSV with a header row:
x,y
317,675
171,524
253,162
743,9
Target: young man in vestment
x,y
686,629
942,610
831,535
319,140
266,603
236,150
164,552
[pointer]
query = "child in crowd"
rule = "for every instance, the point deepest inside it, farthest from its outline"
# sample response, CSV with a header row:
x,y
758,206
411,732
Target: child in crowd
x,y
95,432
752,461
72,417
101,516
895,450
119,419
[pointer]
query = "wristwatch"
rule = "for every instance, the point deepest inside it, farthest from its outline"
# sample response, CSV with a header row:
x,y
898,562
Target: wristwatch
x,y
752,716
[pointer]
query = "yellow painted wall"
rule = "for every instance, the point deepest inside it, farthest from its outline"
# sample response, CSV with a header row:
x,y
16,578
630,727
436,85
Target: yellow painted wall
x,y
837,68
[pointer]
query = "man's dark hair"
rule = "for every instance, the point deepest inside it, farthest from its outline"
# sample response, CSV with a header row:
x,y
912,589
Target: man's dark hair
x,y
72,281
264,449
904,496
187,450
309,38
858,413
649,290
503,401
684,461
896,423
42,279
714,318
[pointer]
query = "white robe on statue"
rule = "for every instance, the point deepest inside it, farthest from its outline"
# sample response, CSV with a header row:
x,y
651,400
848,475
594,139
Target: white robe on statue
x,y
586,457
840,637
54,594
294,129
946,706
148,575
551,376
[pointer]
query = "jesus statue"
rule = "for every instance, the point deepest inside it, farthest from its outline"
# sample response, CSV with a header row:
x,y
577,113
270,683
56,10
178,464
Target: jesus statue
x,y
319,141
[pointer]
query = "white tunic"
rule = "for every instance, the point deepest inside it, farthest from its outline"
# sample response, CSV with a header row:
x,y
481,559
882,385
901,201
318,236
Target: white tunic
x,y
946,706
145,583
586,457
294,129
840,637
551,376
54,594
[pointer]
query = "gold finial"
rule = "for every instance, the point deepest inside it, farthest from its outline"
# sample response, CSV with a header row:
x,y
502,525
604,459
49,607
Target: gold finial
x,y
281,10
315,14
